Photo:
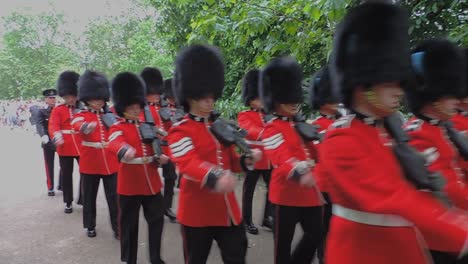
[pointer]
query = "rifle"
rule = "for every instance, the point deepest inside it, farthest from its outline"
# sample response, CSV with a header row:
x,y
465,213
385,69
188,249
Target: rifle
x,y
229,133
458,139
307,132
149,133
166,115
412,162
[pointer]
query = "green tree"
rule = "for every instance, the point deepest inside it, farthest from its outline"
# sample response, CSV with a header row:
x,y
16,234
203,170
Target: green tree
x,y
35,49
125,44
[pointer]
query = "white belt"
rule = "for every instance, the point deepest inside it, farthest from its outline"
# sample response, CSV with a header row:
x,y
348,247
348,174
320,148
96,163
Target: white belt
x,y
370,218
142,160
258,143
98,145
68,131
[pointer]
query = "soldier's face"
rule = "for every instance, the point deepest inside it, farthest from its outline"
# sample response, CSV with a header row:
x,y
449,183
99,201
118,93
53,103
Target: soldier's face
x,y
446,107
50,100
70,99
288,109
96,104
329,108
256,103
132,111
387,99
203,105
171,100
153,98
463,105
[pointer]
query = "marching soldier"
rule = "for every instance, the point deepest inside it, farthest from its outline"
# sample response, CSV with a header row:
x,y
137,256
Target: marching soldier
x,y
292,188
208,209
96,161
170,115
138,180
253,122
65,138
327,106
154,90
48,147
375,207
439,66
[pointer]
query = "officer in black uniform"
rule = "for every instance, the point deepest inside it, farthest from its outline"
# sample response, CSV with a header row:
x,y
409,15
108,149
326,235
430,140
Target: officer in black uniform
x,y
42,126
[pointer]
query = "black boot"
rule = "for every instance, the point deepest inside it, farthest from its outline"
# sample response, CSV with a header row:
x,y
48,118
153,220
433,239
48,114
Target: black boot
x,y
91,232
51,193
171,215
68,208
251,228
268,223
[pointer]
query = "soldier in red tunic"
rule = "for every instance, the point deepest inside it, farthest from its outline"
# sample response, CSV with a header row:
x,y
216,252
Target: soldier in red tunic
x,y
170,115
377,212
154,90
66,139
253,122
439,66
208,209
327,106
292,188
138,180
96,161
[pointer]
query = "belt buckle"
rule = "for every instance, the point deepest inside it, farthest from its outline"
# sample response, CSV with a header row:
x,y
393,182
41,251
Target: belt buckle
x,y
146,160
104,144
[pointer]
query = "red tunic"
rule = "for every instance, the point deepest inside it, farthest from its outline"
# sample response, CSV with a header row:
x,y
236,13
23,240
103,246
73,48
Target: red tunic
x,y
95,157
196,151
285,149
252,122
323,123
60,126
365,176
460,122
441,156
134,179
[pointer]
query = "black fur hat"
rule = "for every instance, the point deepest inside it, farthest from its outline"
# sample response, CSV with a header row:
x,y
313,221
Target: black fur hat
x,y
67,83
199,72
153,80
281,82
250,86
371,46
320,89
440,70
127,89
93,85
168,92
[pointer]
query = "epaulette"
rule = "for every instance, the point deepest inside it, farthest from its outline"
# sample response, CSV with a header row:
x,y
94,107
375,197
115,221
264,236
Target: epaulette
x,y
414,125
342,122
179,123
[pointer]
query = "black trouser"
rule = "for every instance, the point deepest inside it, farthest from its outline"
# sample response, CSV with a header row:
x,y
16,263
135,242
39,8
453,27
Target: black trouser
x,y
49,159
129,218
250,182
440,257
232,242
90,191
66,167
327,213
286,218
170,177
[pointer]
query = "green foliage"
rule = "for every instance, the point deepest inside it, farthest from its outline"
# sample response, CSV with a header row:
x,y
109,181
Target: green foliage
x,y
35,49
129,44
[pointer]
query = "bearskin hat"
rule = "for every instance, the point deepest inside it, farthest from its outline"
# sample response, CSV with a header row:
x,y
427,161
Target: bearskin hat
x,y
320,89
199,72
127,89
93,85
439,66
371,46
168,92
67,83
153,80
250,86
281,82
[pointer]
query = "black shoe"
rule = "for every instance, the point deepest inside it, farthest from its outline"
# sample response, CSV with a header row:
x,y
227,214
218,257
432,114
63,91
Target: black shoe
x,y
251,228
91,232
80,202
68,208
51,193
116,235
172,217
268,223
59,188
